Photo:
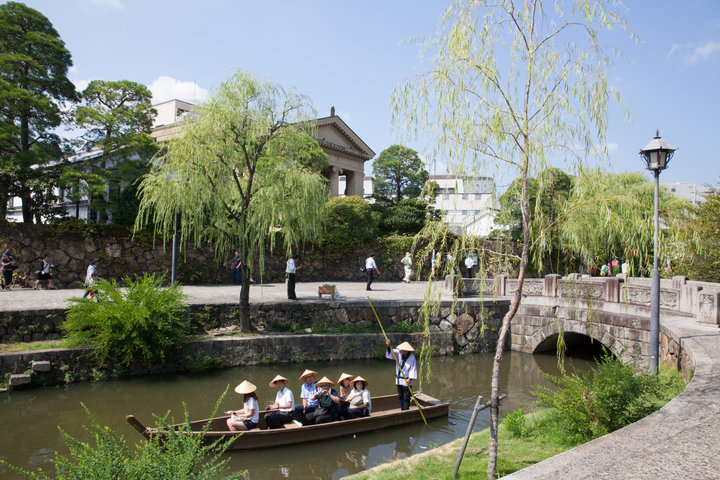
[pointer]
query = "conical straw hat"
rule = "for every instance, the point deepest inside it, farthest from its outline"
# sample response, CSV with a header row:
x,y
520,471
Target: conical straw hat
x,y
344,375
405,346
359,379
306,373
276,379
245,387
324,381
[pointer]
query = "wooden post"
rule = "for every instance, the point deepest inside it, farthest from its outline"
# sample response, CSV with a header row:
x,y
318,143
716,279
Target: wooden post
x,y
478,408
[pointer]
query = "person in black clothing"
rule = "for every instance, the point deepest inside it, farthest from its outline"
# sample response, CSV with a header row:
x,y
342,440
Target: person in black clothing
x,y
328,407
44,272
236,269
7,265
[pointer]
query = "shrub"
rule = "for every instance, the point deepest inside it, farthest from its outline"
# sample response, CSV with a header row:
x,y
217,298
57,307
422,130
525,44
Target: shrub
x,y
587,406
515,423
107,456
348,221
142,323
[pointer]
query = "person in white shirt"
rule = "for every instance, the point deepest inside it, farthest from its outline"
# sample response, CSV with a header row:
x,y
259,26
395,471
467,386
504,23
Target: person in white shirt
x,y
89,281
360,402
290,270
405,370
284,402
370,269
249,416
469,264
407,266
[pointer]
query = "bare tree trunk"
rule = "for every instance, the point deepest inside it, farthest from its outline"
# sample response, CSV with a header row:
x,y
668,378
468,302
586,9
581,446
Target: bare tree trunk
x,y
244,320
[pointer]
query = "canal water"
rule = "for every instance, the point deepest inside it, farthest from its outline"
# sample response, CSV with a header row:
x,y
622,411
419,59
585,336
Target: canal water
x,y
30,419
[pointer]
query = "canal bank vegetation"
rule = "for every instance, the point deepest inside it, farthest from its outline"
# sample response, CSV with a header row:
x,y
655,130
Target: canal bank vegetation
x,y
106,455
579,408
135,322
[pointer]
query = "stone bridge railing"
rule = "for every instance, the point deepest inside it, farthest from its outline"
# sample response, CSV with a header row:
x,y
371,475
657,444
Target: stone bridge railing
x,y
700,300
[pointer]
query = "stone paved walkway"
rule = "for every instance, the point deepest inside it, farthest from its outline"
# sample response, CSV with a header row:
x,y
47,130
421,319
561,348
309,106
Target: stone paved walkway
x,y
29,299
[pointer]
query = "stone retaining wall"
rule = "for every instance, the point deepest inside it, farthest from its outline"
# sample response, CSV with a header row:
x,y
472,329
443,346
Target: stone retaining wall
x,y
121,254
71,365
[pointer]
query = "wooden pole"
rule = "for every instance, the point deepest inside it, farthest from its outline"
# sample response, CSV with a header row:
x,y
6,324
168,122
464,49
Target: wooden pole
x,y
398,363
478,408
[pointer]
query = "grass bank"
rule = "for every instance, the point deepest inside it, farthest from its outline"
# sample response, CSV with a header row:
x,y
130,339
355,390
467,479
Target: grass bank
x,y
529,439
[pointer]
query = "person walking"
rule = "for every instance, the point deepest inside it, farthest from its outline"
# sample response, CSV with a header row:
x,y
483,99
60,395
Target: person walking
x,y
89,280
407,266
236,268
405,370
44,272
290,270
7,265
370,269
469,264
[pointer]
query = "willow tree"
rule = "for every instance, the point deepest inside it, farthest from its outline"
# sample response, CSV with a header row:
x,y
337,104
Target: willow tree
x,y
610,216
233,178
512,84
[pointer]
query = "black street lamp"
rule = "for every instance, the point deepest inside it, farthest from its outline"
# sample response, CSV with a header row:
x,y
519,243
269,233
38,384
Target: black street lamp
x,y
657,155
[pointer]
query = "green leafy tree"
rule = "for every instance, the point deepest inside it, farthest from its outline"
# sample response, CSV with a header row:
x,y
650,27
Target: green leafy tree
x,y
33,84
81,181
610,216
398,173
229,187
347,221
705,265
511,83
408,217
547,192
117,117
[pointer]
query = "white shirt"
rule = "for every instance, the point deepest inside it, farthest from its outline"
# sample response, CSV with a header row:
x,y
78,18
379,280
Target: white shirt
x,y
364,397
370,264
285,397
252,404
290,267
90,270
469,262
409,367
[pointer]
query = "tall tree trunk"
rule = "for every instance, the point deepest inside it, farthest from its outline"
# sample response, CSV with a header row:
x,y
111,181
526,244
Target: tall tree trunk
x,y
244,320
27,210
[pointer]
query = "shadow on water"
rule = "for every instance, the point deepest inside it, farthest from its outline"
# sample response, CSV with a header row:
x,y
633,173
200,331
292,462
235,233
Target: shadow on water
x,y
30,419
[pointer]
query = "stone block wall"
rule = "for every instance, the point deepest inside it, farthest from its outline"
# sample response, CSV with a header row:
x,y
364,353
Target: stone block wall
x,y
122,254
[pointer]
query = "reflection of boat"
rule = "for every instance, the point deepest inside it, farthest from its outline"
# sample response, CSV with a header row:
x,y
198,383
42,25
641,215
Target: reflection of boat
x,y
385,414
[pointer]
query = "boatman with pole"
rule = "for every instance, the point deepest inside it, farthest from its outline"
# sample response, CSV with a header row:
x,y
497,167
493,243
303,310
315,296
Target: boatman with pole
x,y
405,370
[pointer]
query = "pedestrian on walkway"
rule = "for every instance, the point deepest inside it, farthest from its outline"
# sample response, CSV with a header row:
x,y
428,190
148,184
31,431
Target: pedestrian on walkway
x,y
290,270
370,269
407,266
7,265
44,272
469,264
236,268
89,280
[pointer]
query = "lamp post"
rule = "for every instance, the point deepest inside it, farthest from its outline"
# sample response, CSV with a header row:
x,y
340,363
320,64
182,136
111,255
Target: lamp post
x,y
657,155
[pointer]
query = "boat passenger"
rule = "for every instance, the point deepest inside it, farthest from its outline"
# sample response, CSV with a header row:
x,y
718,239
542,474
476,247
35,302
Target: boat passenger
x,y
249,416
328,408
360,403
345,390
307,392
284,401
405,370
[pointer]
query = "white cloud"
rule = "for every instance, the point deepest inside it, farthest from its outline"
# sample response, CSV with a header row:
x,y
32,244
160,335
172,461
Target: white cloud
x,y
704,51
167,88
81,85
109,3
675,47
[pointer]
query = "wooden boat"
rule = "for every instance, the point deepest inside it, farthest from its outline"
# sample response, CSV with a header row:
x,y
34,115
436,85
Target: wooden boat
x,y
385,414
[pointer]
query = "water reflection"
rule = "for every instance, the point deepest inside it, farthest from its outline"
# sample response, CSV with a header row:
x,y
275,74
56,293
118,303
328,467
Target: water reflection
x,y
30,419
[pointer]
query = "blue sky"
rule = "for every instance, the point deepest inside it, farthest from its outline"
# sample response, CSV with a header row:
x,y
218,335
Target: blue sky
x,y
352,55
